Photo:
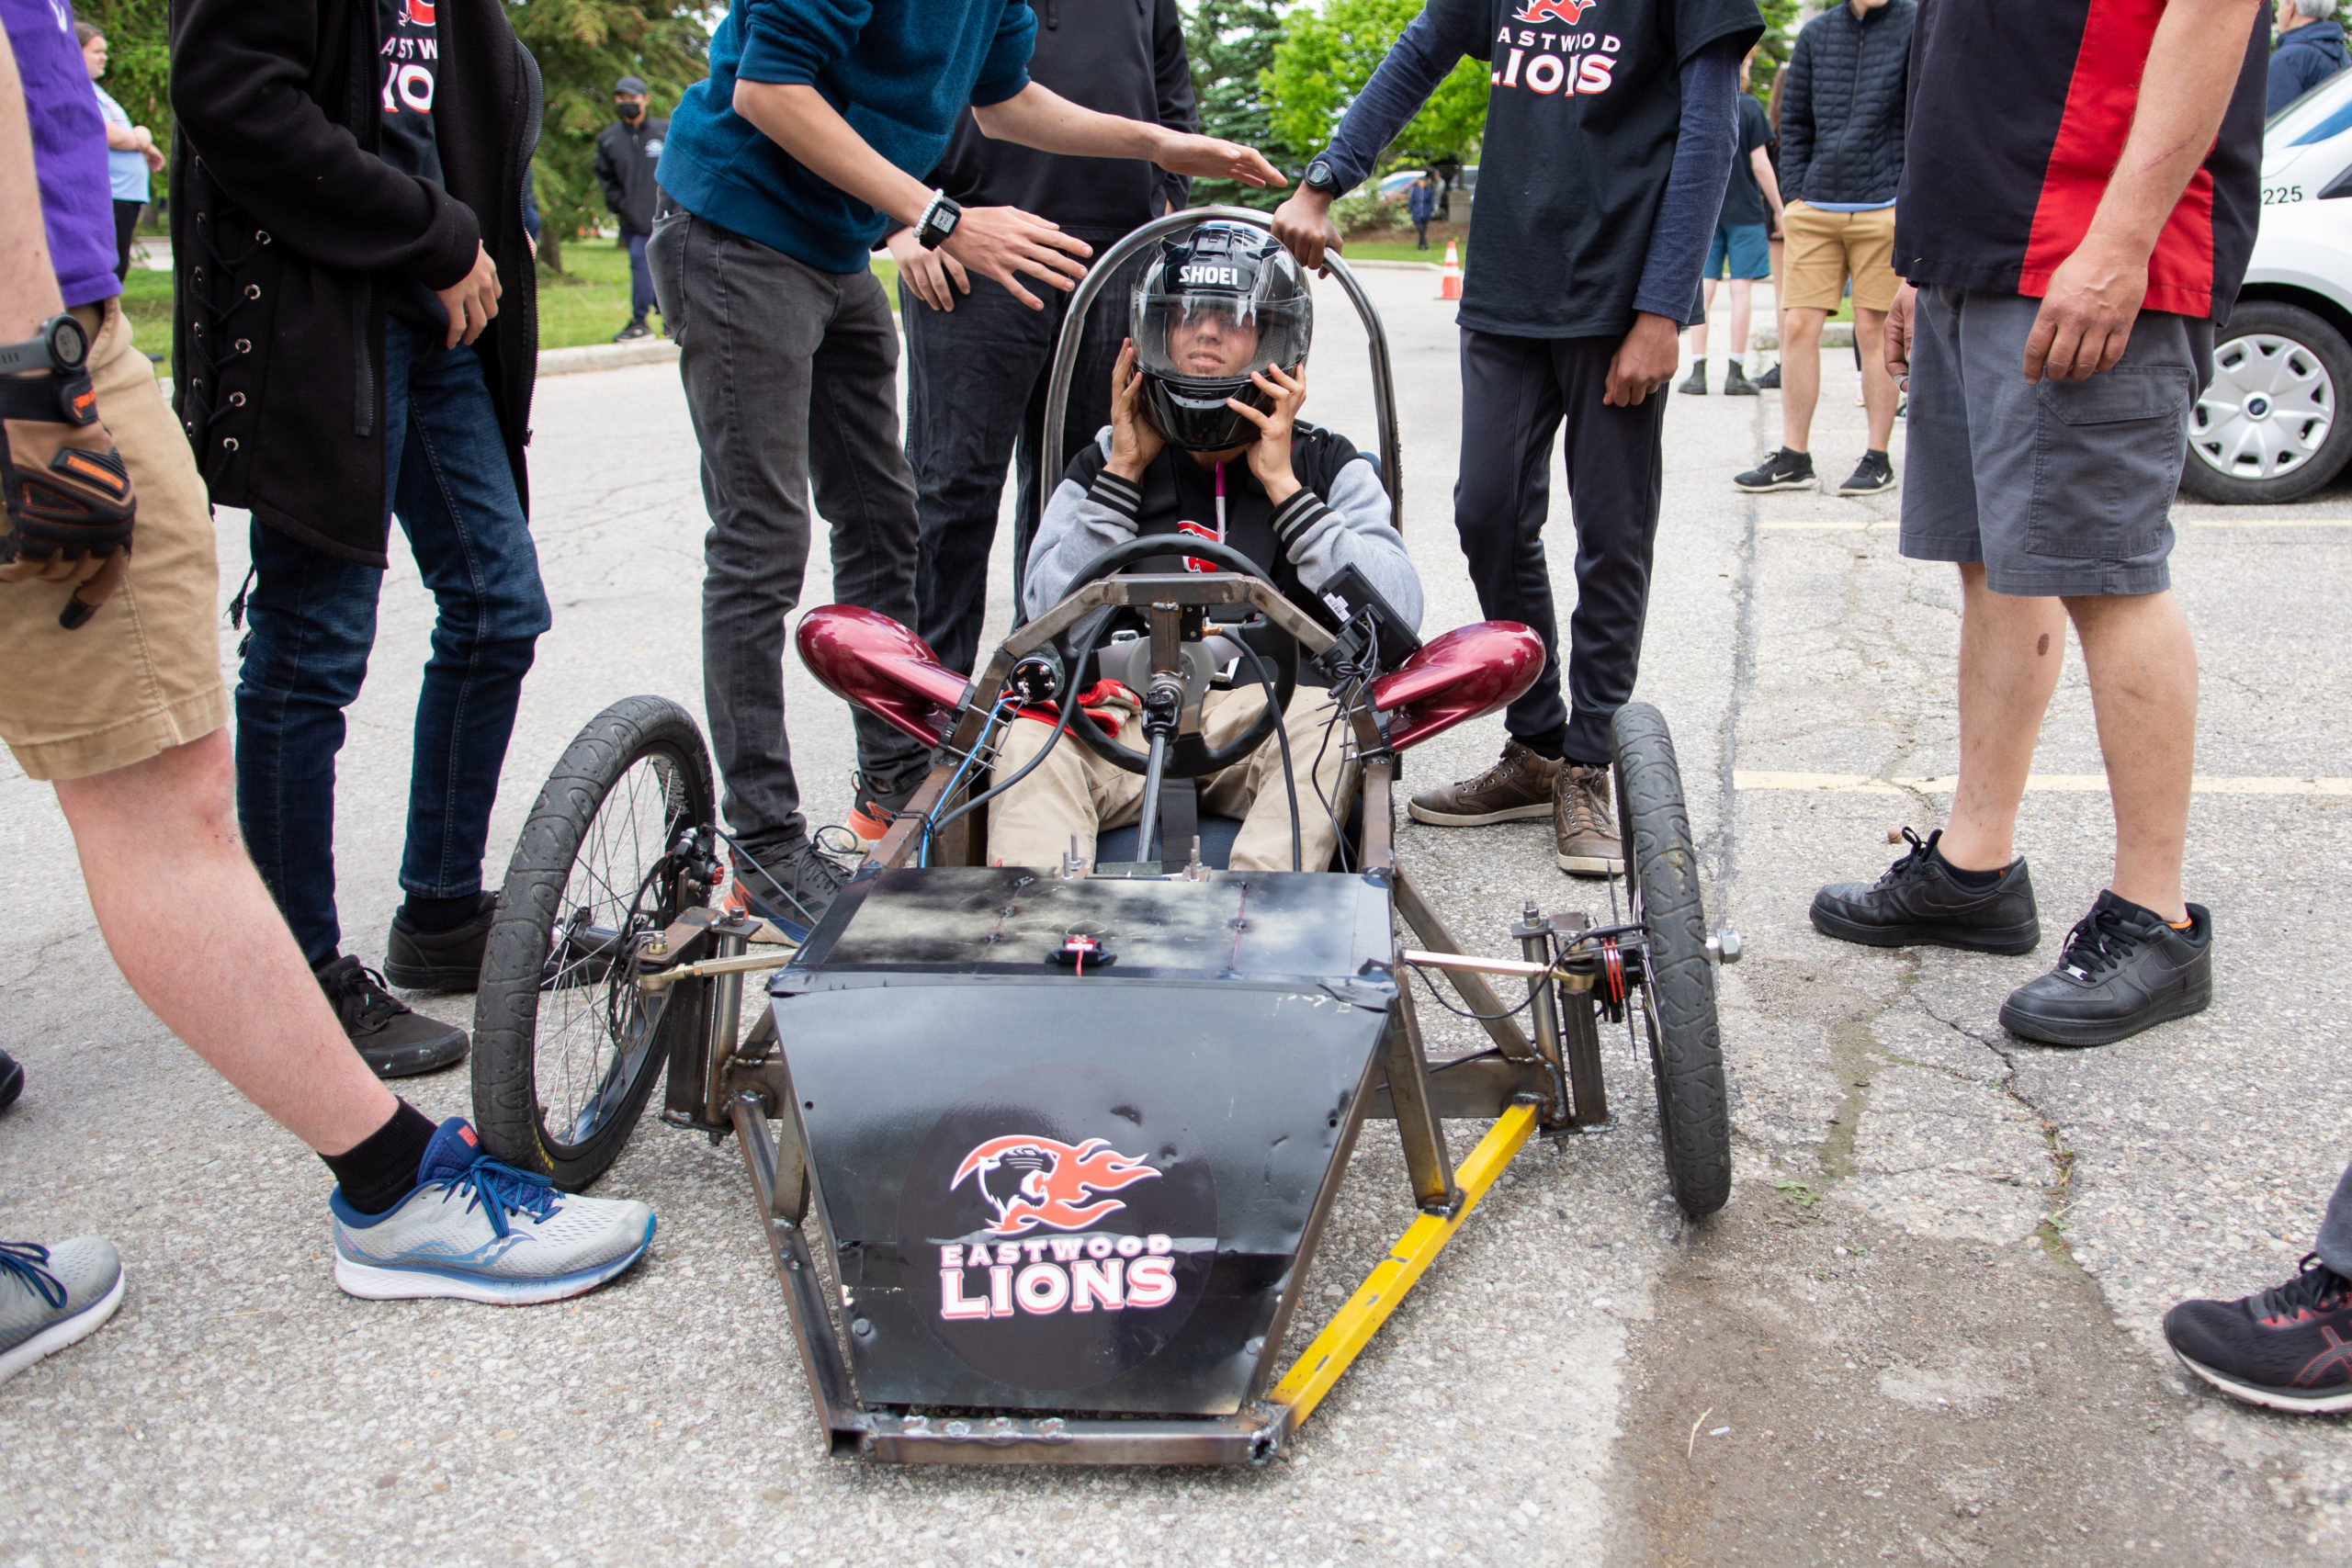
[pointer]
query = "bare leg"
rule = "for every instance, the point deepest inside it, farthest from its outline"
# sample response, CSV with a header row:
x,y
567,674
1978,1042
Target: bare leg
x,y
2010,649
1742,301
158,841
2142,668
1800,374
1878,386
1698,332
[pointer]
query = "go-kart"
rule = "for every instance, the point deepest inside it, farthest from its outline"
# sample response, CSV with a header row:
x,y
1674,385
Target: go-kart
x,y
1044,1153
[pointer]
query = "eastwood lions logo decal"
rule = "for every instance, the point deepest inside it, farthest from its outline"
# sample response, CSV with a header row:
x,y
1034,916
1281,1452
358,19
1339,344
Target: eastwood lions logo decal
x,y
1536,12
1044,1182
1056,1226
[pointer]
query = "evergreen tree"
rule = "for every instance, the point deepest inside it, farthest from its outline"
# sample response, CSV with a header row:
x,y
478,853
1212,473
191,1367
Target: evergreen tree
x,y
583,48
1231,46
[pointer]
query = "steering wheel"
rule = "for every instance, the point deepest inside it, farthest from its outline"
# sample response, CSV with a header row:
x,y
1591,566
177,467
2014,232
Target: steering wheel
x,y
1188,755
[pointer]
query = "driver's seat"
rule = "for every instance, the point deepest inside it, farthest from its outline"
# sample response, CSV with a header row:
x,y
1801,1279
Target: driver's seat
x,y
1118,845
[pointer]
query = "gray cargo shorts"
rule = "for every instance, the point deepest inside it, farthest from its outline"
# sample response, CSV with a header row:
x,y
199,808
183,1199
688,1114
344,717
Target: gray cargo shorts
x,y
2063,489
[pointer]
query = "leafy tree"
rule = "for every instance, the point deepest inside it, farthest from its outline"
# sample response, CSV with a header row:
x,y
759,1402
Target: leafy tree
x,y
137,60
1325,57
1781,23
1230,44
584,47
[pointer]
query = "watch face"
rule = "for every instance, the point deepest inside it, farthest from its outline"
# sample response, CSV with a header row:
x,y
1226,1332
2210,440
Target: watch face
x,y
946,220
1319,175
68,345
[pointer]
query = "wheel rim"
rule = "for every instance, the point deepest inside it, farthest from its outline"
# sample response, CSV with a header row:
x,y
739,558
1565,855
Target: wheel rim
x,y
2268,411
595,1027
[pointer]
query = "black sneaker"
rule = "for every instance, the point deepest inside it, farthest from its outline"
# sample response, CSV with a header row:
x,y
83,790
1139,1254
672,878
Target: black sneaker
x,y
2124,970
633,331
1874,474
1918,902
790,889
1696,383
2288,1348
440,961
1783,469
1770,380
1736,384
394,1041
12,1080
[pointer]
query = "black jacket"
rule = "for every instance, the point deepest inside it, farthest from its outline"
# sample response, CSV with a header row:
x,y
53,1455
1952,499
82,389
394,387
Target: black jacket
x,y
626,157
290,234
1841,109
1121,57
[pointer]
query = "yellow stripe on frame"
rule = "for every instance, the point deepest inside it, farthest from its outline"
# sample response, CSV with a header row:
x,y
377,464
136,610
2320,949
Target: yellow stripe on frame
x,y
1352,1327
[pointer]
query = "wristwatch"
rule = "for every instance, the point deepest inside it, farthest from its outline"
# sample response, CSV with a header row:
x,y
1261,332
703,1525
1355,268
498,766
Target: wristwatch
x,y
1321,177
939,220
62,347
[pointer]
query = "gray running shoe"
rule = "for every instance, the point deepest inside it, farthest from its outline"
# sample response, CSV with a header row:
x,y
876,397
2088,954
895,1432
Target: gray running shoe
x,y
52,1296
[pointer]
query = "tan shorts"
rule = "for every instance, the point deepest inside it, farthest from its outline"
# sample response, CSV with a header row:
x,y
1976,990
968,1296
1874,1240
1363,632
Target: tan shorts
x,y
144,674
1827,248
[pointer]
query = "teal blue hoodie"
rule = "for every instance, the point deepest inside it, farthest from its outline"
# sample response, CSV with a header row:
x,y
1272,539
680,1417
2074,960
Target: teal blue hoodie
x,y
900,71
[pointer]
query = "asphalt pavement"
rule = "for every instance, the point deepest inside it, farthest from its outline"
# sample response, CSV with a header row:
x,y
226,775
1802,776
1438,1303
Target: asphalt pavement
x,y
1924,1329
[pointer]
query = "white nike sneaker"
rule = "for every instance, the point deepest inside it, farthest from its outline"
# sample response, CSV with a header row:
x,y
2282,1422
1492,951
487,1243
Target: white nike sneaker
x,y
478,1229
51,1296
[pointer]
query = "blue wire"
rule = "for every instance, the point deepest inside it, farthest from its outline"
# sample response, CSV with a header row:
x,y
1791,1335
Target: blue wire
x,y
922,848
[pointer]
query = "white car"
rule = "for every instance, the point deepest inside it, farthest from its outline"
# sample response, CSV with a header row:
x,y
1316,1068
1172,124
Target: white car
x,y
2271,426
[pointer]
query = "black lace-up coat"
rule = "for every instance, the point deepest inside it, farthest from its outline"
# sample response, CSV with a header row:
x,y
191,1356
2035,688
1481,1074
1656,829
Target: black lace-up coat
x,y
288,233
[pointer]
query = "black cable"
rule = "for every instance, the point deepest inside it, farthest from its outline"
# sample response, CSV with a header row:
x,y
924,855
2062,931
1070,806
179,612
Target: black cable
x,y
1282,733
1085,640
1468,1013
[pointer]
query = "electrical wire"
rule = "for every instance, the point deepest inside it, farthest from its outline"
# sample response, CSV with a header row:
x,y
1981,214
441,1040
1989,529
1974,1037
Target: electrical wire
x,y
1008,703
1282,733
1084,639
1468,1013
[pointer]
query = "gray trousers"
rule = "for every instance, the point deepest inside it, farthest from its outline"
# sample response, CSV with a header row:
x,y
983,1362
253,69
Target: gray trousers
x,y
791,379
2335,1243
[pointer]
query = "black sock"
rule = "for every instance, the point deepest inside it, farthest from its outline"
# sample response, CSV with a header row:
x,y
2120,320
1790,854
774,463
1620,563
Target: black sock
x,y
431,916
1970,878
380,1168
1575,762
1547,745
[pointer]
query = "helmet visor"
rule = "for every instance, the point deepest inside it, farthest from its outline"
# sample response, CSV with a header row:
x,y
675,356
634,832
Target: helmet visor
x,y
1218,337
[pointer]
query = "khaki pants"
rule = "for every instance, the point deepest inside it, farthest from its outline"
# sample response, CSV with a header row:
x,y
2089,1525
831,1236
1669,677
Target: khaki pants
x,y
144,674
1076,793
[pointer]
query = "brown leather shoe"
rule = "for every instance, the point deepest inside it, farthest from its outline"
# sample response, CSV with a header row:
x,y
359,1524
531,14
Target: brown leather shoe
x,y
1518,787
1585,822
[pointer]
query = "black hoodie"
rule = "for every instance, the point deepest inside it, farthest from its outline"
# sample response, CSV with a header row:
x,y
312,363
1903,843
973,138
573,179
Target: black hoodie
x,y
1121,57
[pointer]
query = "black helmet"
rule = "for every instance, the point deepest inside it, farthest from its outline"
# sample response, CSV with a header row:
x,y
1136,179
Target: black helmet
x,y
1219,302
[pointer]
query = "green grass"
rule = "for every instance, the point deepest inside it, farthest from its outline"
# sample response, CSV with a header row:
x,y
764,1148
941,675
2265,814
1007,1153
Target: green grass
x,y
587,302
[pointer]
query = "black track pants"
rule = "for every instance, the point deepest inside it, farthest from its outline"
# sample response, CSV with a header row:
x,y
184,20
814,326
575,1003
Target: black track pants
x,y
1515,392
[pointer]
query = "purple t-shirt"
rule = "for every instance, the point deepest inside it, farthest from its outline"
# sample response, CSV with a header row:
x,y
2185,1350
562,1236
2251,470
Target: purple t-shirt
x,y
68,147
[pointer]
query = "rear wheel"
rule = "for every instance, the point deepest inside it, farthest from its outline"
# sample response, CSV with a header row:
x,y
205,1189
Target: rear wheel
x,y
566,1045
1678,981
2270,425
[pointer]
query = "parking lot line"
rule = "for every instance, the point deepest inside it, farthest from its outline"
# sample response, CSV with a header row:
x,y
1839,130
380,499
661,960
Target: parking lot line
x,y
1871,524
2051,784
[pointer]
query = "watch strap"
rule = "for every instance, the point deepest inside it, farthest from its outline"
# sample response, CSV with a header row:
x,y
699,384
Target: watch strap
x,y
53,399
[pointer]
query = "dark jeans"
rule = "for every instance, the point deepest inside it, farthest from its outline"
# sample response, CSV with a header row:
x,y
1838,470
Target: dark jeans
x,y
313,619
791,378
640,278
1422,233
2335,1243
976,400
1515,392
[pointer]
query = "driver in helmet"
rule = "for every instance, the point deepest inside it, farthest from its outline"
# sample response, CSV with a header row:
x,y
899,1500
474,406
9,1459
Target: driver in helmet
x,y
1205,440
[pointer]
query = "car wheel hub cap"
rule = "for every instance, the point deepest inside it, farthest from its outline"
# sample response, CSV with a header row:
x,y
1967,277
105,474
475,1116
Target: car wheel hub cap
x,y
2268,411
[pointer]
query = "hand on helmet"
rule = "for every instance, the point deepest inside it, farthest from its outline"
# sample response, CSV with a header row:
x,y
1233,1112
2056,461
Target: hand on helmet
x,y
1270,454
1134,442
68,500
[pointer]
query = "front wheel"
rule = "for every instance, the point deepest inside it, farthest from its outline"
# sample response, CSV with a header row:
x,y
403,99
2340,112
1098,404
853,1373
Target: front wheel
x,y
567,1046
1678,981
2270,425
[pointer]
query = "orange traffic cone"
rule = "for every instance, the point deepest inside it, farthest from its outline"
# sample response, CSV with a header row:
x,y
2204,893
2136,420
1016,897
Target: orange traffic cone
x,y
1450,285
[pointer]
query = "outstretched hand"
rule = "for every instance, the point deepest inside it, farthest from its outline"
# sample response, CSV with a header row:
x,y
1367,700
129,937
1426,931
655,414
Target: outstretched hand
x,y
1270,454
1001,241
1208,158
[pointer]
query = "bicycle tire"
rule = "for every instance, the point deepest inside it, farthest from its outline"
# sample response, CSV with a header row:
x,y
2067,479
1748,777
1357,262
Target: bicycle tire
x,y
517,1051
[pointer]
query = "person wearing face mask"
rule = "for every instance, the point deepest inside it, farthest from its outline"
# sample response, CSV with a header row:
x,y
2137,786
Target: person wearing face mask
x,y
627,153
